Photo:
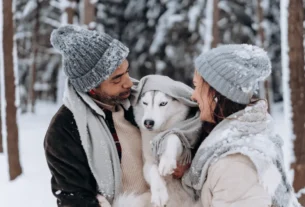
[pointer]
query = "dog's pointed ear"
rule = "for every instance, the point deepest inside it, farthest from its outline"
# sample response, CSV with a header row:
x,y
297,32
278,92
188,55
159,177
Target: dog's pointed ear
x,y
137,91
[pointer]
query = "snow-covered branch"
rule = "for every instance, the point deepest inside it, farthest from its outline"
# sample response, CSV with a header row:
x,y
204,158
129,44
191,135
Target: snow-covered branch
x,y
51,22
63,4
208,38
22,35
29,8
194,15
300,193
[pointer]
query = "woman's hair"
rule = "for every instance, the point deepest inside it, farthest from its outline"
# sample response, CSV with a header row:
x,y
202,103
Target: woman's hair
x,y
224,107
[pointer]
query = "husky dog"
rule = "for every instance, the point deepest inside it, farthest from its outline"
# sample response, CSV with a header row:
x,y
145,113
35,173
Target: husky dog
x,y
155,113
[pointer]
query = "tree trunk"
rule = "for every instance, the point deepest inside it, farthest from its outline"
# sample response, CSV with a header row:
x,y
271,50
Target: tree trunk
x,y
260,15
70,12
32,93
215,24
12,129
89,13
297,87
264,87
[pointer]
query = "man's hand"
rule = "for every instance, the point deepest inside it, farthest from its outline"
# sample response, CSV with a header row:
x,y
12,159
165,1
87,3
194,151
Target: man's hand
x,y
180,170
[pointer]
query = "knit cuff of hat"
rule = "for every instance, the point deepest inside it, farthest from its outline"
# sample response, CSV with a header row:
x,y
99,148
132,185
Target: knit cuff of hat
x,y
110,61
219,83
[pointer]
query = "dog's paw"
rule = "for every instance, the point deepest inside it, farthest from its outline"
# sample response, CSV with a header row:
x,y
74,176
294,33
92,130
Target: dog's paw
x,y
159,196
102,201
167,165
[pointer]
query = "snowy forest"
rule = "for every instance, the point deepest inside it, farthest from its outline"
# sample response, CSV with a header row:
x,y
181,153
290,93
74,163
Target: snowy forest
x,y
164,37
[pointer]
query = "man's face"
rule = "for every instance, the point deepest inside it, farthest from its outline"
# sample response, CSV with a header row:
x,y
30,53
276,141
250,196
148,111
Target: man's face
x,y
117,87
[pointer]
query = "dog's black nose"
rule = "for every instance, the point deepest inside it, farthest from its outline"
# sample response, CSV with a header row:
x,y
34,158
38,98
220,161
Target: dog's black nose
x,y
149,124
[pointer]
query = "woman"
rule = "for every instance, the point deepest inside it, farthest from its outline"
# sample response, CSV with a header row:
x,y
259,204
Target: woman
x,y
239,164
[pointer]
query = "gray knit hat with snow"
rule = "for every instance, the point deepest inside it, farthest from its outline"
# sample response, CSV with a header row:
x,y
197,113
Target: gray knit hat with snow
x,y
234,70
89,57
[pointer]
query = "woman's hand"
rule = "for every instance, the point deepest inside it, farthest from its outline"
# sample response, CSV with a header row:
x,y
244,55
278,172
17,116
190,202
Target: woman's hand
x,y
180,170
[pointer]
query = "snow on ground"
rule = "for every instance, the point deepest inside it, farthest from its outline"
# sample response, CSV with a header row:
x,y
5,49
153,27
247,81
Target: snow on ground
x,y
281,128
32,189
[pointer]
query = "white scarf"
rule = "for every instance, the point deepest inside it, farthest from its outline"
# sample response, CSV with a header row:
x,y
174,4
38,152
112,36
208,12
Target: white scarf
x,y
249,132
97,141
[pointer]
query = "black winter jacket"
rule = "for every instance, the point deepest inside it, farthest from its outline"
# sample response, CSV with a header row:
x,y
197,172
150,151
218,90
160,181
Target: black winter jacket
x,y
73,183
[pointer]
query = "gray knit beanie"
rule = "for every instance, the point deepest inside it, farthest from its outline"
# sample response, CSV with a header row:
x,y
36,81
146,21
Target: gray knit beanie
x,y
89,57
234,70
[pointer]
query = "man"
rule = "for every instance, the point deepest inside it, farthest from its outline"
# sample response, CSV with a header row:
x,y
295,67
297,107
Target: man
x,y
83,143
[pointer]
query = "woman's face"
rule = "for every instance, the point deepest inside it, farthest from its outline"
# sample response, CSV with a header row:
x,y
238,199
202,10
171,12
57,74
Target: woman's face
x,y
204,99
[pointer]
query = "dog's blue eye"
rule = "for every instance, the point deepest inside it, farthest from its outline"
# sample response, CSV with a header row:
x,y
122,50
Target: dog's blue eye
x,y
163,104
145,103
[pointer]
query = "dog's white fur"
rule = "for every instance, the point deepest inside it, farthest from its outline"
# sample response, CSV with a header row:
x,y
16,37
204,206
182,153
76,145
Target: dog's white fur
x,y
133,200
165,112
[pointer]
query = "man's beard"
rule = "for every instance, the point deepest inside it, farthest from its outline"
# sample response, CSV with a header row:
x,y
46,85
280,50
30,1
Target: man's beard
x,y
110,100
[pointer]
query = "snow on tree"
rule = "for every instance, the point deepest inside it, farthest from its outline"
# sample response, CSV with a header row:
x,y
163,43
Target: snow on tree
x,y
239,23
236,21
33,29
292,17
69,14
164,36
272,30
